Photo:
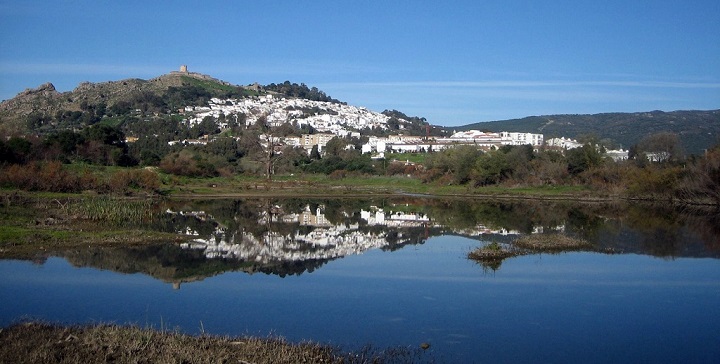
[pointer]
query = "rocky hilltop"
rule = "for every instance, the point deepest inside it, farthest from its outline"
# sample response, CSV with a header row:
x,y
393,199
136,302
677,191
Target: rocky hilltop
x,y
46,101
39,99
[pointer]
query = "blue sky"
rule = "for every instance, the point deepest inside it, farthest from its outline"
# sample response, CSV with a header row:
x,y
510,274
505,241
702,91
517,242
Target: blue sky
x,y
453,62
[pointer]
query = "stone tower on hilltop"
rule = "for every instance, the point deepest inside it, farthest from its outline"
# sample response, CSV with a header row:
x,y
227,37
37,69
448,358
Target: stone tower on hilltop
x,y
183,69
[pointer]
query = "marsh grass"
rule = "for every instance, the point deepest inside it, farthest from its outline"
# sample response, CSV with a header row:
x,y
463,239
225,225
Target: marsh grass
x,y
551,243
352,184
118,212
492,255
44,343
38,224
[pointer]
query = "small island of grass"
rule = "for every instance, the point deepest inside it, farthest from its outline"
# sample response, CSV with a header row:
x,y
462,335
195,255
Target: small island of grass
x,y
548,243
492,255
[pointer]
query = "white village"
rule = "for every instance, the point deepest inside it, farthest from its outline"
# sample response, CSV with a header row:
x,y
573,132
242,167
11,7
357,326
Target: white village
x,y
331,120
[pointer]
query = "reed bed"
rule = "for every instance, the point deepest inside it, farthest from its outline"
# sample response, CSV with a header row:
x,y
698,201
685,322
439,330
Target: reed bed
x,y
551,243
115,210
492,255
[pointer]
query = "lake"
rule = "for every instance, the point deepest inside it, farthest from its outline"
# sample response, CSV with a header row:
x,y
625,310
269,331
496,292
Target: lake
x,y
395,272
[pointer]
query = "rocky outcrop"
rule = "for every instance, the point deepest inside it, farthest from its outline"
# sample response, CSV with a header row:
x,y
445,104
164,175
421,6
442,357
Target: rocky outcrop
x,y
46,89
37,97
46,100
42,100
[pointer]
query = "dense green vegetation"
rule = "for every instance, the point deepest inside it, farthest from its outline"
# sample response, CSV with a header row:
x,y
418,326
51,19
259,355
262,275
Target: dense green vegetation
x,y
301,91
414,126
73,162
697,178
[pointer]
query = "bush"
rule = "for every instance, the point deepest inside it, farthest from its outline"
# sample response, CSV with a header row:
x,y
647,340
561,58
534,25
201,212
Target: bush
x,y
41,176
143,179
187,163
703,179
338,174
654,182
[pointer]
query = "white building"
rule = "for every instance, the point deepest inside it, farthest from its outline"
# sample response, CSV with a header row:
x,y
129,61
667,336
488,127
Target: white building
x,y
618,155
535,140
563,143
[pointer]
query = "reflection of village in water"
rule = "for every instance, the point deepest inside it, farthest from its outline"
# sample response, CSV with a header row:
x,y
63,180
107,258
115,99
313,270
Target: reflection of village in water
x,y
322,240
296,236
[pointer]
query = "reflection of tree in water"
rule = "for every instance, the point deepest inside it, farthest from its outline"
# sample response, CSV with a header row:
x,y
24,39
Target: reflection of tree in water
x,y
662,229
584,224
521,216
286,268
705,222
490,265
410,236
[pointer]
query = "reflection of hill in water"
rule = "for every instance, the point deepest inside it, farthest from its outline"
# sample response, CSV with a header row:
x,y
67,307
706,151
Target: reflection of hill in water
x,y
172,264
291,237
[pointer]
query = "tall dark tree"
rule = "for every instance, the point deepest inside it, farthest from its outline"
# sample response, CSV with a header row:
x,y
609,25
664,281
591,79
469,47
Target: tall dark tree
x,y
663,146
583,158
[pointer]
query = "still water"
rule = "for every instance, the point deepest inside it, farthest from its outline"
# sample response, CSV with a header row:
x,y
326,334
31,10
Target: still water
x,y
396,273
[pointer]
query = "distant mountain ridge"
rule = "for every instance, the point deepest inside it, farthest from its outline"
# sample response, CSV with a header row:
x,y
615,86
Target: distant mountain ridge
x,y
698,130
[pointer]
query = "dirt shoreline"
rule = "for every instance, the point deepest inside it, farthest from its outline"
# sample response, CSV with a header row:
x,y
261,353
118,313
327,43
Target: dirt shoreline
x,y
270,194
35,342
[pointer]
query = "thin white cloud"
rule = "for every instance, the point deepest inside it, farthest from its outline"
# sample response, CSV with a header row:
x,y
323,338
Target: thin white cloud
x,y
527,84
465,95
455,103
79,69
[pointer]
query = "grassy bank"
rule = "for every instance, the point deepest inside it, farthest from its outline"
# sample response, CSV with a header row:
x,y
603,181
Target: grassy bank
x,y
121,181
45,343
321,185
43,223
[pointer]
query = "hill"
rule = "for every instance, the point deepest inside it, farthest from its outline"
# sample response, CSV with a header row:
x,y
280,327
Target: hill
x,y
698,130
184,99
45,109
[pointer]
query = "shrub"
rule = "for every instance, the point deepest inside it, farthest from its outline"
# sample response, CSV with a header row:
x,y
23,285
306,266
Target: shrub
x,y
123,181
338,174
187,163
40,176
654,182
703,179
